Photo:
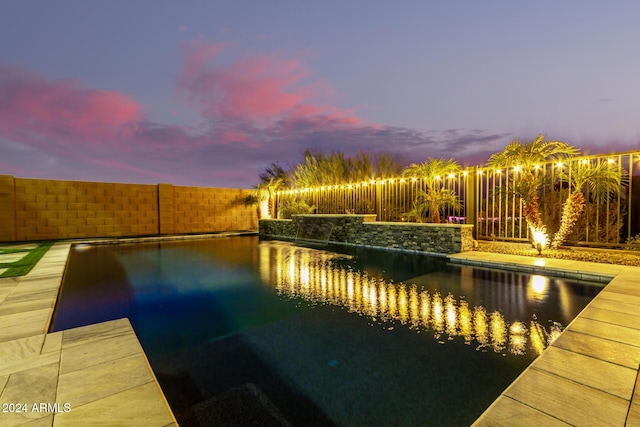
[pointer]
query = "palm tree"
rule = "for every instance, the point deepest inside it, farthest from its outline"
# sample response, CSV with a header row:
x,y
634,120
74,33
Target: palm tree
x,y
270,187
436,198
434,203
599,178
275,172
526,184
272,179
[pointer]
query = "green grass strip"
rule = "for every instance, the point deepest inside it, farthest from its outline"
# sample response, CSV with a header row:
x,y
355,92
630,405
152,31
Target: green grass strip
x,y
24,265
12,251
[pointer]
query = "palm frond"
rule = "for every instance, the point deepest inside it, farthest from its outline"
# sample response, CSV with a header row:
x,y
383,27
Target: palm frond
x,y
432,170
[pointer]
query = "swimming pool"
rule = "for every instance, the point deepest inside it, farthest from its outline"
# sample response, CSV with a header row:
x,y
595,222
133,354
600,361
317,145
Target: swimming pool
x,y
344,337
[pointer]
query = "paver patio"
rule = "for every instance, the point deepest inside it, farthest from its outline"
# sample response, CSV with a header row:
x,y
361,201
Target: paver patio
x,y
94,375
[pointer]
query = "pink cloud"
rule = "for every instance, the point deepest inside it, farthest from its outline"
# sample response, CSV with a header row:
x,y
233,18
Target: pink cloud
x,y
262,89
196,56
234,136
61,110
255,110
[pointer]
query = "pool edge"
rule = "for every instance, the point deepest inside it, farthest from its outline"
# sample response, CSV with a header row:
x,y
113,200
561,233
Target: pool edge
x,y
602,390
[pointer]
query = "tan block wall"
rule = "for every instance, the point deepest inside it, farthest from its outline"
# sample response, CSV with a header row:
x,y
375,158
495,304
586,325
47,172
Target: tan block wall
x,y
47,209
200,210
7,208
37,209
166,208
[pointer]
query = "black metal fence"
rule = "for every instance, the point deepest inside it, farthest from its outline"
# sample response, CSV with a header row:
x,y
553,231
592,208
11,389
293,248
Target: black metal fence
x,y
487,200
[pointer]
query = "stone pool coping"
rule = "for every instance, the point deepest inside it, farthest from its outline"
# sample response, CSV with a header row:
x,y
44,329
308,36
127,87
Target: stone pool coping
x,y
92,375
586,377
589,376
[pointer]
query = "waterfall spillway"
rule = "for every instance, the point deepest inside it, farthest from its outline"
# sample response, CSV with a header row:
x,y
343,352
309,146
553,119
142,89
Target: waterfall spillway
x,y
315,229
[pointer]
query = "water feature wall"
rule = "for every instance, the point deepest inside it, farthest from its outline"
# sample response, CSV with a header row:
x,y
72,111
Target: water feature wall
x,y
363,230
315,229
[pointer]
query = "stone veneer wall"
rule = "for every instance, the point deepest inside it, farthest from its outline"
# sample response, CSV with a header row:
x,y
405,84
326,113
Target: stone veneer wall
x,y
39,209
363,230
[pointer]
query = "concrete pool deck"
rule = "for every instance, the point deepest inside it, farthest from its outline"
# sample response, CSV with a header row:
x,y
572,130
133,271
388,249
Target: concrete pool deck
x,y
99,375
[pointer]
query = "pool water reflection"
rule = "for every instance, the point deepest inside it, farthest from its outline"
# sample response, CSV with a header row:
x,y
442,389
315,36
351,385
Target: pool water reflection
x,y
343,336
329,278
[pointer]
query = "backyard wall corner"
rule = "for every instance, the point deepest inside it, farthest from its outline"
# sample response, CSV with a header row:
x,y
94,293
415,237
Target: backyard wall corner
x,y
7,208
166,209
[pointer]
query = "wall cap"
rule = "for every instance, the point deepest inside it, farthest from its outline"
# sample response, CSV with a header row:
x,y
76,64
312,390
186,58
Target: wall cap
x,y
419,224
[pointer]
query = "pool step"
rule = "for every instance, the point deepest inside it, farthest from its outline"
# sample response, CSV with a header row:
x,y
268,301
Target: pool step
x,y
244,405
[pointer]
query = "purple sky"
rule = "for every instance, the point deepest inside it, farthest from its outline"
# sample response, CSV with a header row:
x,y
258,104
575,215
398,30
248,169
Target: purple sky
x,y
208,93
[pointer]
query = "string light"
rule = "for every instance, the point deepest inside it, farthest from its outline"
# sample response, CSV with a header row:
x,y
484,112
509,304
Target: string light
x,y
465,173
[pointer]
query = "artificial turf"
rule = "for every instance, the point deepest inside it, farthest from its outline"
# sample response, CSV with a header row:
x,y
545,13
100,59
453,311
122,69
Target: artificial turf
x,y
26,263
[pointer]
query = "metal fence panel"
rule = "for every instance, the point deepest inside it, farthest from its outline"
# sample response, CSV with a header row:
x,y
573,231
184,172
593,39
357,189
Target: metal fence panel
x,y
488,201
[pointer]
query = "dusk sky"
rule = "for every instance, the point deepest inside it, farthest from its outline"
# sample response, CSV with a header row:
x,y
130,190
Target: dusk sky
x,y
208,93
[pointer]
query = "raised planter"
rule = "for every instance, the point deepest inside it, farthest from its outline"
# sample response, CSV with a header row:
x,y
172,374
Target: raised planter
x,y
363,230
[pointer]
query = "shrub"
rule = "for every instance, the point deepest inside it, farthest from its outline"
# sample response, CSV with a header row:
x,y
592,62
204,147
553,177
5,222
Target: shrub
x,y
294,207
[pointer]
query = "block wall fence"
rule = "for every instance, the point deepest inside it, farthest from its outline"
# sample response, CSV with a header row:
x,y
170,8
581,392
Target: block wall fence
x,y
39,209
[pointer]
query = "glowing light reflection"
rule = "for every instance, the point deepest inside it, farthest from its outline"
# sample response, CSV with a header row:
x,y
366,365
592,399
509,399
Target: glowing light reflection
x,y
466,322
297,272
498,331
539,283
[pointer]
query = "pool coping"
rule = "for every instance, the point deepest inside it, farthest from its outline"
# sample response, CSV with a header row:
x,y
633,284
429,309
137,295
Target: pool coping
x,y
589,376
95,374
601,346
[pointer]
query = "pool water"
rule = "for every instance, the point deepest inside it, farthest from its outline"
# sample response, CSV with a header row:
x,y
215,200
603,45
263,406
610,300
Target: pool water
x,y
344,336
